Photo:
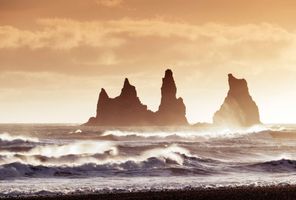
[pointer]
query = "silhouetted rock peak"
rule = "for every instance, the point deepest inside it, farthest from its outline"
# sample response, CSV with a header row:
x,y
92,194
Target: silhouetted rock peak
x,y
127,109
126,83
168,89
171,111
103,94
168,74
230,75
128,90
238,108
238,86
103,100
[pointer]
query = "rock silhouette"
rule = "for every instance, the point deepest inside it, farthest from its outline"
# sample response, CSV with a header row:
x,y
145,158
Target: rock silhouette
x,y
127,109
124,110
171,111
238,109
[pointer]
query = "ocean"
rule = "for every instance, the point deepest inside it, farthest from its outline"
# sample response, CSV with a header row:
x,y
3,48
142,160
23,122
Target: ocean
x,y
42,159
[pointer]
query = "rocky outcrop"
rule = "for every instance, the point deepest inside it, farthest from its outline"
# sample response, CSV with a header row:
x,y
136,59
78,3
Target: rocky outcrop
x,y
127,109
124,110
171,111
238,109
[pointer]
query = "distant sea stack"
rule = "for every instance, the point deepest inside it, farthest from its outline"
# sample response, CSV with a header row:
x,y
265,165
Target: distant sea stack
x,y
124,110
127,109
238,109
171,111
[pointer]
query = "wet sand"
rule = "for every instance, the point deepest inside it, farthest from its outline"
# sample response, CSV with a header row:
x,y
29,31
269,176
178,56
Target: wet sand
x,y
229,193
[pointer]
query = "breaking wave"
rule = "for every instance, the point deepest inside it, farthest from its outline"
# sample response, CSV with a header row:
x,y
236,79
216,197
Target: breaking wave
x,y
275,166
150,166
9,143
74,153
213,133
158,166
9,138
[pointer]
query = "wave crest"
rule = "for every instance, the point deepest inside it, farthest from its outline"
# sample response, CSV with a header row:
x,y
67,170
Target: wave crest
x,y
9,138
151,166
211,133
282,165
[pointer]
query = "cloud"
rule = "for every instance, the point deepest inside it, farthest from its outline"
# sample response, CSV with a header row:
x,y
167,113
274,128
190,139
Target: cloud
x,y
109,3
128,45
67,34
58,34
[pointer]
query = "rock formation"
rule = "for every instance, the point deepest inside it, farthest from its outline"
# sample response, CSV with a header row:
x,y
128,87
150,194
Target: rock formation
x,y
238,109
171,111
124,110
127,109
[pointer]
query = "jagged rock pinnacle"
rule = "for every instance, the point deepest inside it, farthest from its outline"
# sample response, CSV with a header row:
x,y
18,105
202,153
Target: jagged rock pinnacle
x,y
238,108
126,83
171,111
103,93
128,90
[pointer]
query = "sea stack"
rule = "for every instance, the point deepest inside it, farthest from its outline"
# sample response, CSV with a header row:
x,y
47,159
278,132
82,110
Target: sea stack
x,y
124,110
127,109
238,109
172,110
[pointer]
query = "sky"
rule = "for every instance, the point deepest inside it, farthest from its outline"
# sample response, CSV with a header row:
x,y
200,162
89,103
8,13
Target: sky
x,y
55,56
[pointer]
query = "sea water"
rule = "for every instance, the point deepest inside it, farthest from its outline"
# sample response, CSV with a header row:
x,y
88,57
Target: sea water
x,y
65,159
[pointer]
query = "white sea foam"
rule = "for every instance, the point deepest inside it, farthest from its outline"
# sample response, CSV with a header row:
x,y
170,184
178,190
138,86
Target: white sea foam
x,y
172,152
9,137
82,150
190,134
85,152
75,148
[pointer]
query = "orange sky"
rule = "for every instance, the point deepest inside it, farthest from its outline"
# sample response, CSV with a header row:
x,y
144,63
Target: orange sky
x,y
56,55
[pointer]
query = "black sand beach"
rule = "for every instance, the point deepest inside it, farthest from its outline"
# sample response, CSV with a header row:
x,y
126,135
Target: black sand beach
x,y
226,193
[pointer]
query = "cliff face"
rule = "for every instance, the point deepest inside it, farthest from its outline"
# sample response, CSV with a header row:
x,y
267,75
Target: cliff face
x,y
171,110
238,109
127,109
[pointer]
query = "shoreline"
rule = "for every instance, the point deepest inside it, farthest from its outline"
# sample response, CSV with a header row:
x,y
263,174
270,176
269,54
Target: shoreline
x,y
224,193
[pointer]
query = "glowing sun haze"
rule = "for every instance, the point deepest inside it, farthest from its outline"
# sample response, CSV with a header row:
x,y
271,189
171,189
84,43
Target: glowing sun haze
x,y
56,55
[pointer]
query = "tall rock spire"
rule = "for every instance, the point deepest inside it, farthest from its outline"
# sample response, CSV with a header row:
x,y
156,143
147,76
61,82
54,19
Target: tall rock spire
x,y
238,109
168,88
171,111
